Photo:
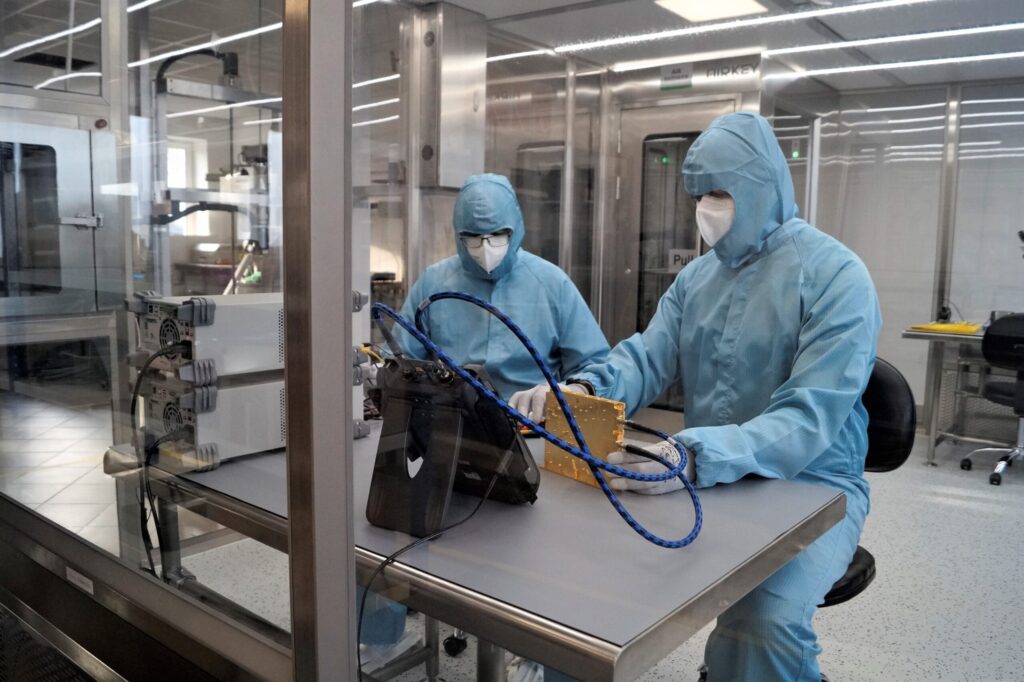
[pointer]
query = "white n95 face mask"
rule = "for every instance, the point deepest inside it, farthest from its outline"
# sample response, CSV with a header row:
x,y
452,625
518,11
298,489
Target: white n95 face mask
x,y
487,256
715,217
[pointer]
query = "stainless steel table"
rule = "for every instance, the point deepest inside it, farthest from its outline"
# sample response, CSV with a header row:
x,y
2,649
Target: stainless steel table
x,y
564,581
933,390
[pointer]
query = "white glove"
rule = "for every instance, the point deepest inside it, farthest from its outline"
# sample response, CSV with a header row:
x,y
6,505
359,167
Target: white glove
x,y
641,465
531,401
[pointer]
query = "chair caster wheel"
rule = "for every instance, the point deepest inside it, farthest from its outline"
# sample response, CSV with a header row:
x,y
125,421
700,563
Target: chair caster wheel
x,y
453,646
995,479
965,464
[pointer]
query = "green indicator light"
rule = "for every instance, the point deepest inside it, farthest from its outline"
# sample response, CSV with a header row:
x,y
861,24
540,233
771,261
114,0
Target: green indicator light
x,y
664,160
795,154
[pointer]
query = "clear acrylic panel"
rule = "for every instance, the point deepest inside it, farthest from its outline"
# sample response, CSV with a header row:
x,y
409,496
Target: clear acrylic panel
x,y
51,45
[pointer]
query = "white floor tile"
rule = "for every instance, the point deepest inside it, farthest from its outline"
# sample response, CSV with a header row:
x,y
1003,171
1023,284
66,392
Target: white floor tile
x,y
74,517
78,492
29,493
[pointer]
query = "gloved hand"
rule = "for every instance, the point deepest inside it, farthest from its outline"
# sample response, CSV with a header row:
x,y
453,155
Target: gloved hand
x,y
531,401
641,465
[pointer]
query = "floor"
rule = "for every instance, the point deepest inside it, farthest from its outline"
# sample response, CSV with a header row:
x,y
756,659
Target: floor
x,y
51,461
946,604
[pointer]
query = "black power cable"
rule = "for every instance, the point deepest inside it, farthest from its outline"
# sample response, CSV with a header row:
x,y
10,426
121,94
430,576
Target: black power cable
x,y
412,545
141,452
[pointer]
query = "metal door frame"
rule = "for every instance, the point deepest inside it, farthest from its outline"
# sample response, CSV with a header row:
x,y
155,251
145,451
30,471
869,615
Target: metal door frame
x,y
619,276
73,159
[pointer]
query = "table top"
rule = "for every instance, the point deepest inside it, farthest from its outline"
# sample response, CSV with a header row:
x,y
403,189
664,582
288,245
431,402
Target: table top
x,y
942,336
566,581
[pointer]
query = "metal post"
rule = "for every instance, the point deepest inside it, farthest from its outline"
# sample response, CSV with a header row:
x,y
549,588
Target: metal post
x,y
943,259
601,213
411,85
115,89
814,167
490,662
317,246
568,171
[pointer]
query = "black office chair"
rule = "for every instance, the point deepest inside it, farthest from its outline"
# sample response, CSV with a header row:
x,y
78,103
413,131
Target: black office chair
x,y
892,423
1003,347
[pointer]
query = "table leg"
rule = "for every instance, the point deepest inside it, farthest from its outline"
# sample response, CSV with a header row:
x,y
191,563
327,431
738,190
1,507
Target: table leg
x,y
431,640
934,395
490,662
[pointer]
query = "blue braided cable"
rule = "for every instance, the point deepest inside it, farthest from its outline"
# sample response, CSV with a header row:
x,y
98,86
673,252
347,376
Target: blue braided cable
x,y
582,452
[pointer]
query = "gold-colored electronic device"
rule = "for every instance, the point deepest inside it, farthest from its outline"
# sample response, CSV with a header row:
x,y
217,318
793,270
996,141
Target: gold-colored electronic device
x,y
601,421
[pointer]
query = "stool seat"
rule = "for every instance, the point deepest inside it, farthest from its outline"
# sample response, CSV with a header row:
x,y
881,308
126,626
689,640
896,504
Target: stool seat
x,y
1000,392
856,579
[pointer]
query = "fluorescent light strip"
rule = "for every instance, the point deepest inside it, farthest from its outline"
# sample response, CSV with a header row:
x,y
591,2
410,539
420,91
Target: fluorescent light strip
x,y
901,130
374,81
69,76
375,121
373,105
736,24
879,110
892,66
261,121
992,156
50,38
935,145
985,143
992,125
791,129
363,3
203,46
689,57
989,151
990,114
517,55
891,121
223,107
1007,100
142,5
886,40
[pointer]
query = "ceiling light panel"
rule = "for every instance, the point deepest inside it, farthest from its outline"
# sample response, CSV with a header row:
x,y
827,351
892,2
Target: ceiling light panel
x,y
696,11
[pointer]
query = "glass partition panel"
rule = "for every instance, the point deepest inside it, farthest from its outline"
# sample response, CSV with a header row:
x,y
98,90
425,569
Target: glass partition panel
x,y
988,270
138,431
880,163
51,45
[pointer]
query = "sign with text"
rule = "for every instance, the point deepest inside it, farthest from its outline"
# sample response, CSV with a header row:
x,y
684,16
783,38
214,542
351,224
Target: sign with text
x,y
676,76
680,258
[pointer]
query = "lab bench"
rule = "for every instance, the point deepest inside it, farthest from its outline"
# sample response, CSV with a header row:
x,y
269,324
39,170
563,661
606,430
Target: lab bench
x,y
954,407
564,581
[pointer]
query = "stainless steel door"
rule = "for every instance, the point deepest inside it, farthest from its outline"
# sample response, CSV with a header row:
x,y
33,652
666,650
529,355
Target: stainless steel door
x,y
621,279
47,259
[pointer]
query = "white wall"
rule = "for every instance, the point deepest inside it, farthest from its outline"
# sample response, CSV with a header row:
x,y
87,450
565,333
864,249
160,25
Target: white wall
x,y
988,269
879,194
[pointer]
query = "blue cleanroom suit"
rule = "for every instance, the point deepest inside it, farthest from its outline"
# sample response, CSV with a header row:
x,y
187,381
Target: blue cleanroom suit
x,y
533,292
773,337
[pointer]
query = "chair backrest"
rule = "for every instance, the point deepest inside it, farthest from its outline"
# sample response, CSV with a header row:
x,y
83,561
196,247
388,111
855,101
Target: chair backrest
x,y
1003,343
892,418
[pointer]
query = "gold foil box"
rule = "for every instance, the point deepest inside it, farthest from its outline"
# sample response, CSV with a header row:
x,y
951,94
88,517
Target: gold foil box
x,y
601,422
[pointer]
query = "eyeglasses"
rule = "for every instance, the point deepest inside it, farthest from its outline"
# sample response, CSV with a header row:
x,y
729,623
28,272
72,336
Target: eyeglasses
x,y
475,241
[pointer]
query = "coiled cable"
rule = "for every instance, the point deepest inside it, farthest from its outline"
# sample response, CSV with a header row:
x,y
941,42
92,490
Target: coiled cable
x,y
580,450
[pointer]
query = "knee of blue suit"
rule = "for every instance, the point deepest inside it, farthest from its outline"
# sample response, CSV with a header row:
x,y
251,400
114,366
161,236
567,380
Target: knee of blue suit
x,y
533,292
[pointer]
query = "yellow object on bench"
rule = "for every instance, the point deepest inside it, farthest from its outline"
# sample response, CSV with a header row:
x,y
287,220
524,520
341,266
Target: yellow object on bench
x,y
948,327
601,422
